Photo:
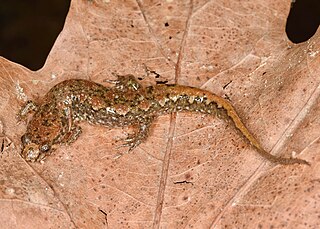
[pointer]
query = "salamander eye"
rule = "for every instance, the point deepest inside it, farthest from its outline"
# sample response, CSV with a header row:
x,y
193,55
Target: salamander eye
x,y
25,139
45,148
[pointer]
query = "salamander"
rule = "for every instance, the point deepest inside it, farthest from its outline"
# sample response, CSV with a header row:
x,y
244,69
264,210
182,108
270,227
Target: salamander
x,y
56,117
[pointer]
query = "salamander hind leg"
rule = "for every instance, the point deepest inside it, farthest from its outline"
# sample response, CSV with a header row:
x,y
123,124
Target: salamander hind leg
x,y
141,133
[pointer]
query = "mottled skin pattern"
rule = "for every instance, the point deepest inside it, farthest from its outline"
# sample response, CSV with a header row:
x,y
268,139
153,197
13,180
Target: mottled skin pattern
x,y
56,118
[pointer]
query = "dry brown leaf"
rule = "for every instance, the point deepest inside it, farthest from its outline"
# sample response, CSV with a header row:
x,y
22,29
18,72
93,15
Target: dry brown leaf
x,y
194,170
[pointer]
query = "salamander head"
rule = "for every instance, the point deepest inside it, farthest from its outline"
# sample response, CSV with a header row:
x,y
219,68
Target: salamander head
x,y
32,151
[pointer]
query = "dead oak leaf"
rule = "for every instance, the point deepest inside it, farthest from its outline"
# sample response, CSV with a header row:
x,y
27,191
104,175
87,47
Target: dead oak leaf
x,y
194,170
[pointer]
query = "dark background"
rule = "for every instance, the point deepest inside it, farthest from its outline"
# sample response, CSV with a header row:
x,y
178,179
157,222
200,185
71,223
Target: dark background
x,y
303,20
28,29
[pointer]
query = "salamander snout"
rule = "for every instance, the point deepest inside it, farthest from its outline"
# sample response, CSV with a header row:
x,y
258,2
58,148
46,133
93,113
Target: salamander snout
x,y
32,151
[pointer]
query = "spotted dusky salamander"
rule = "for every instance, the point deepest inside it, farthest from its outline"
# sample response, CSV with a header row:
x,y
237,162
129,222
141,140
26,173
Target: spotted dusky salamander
x,y
56,117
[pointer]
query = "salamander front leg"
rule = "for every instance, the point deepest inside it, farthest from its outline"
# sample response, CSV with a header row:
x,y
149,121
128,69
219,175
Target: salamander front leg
x,y
28,108
126,82
71,135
